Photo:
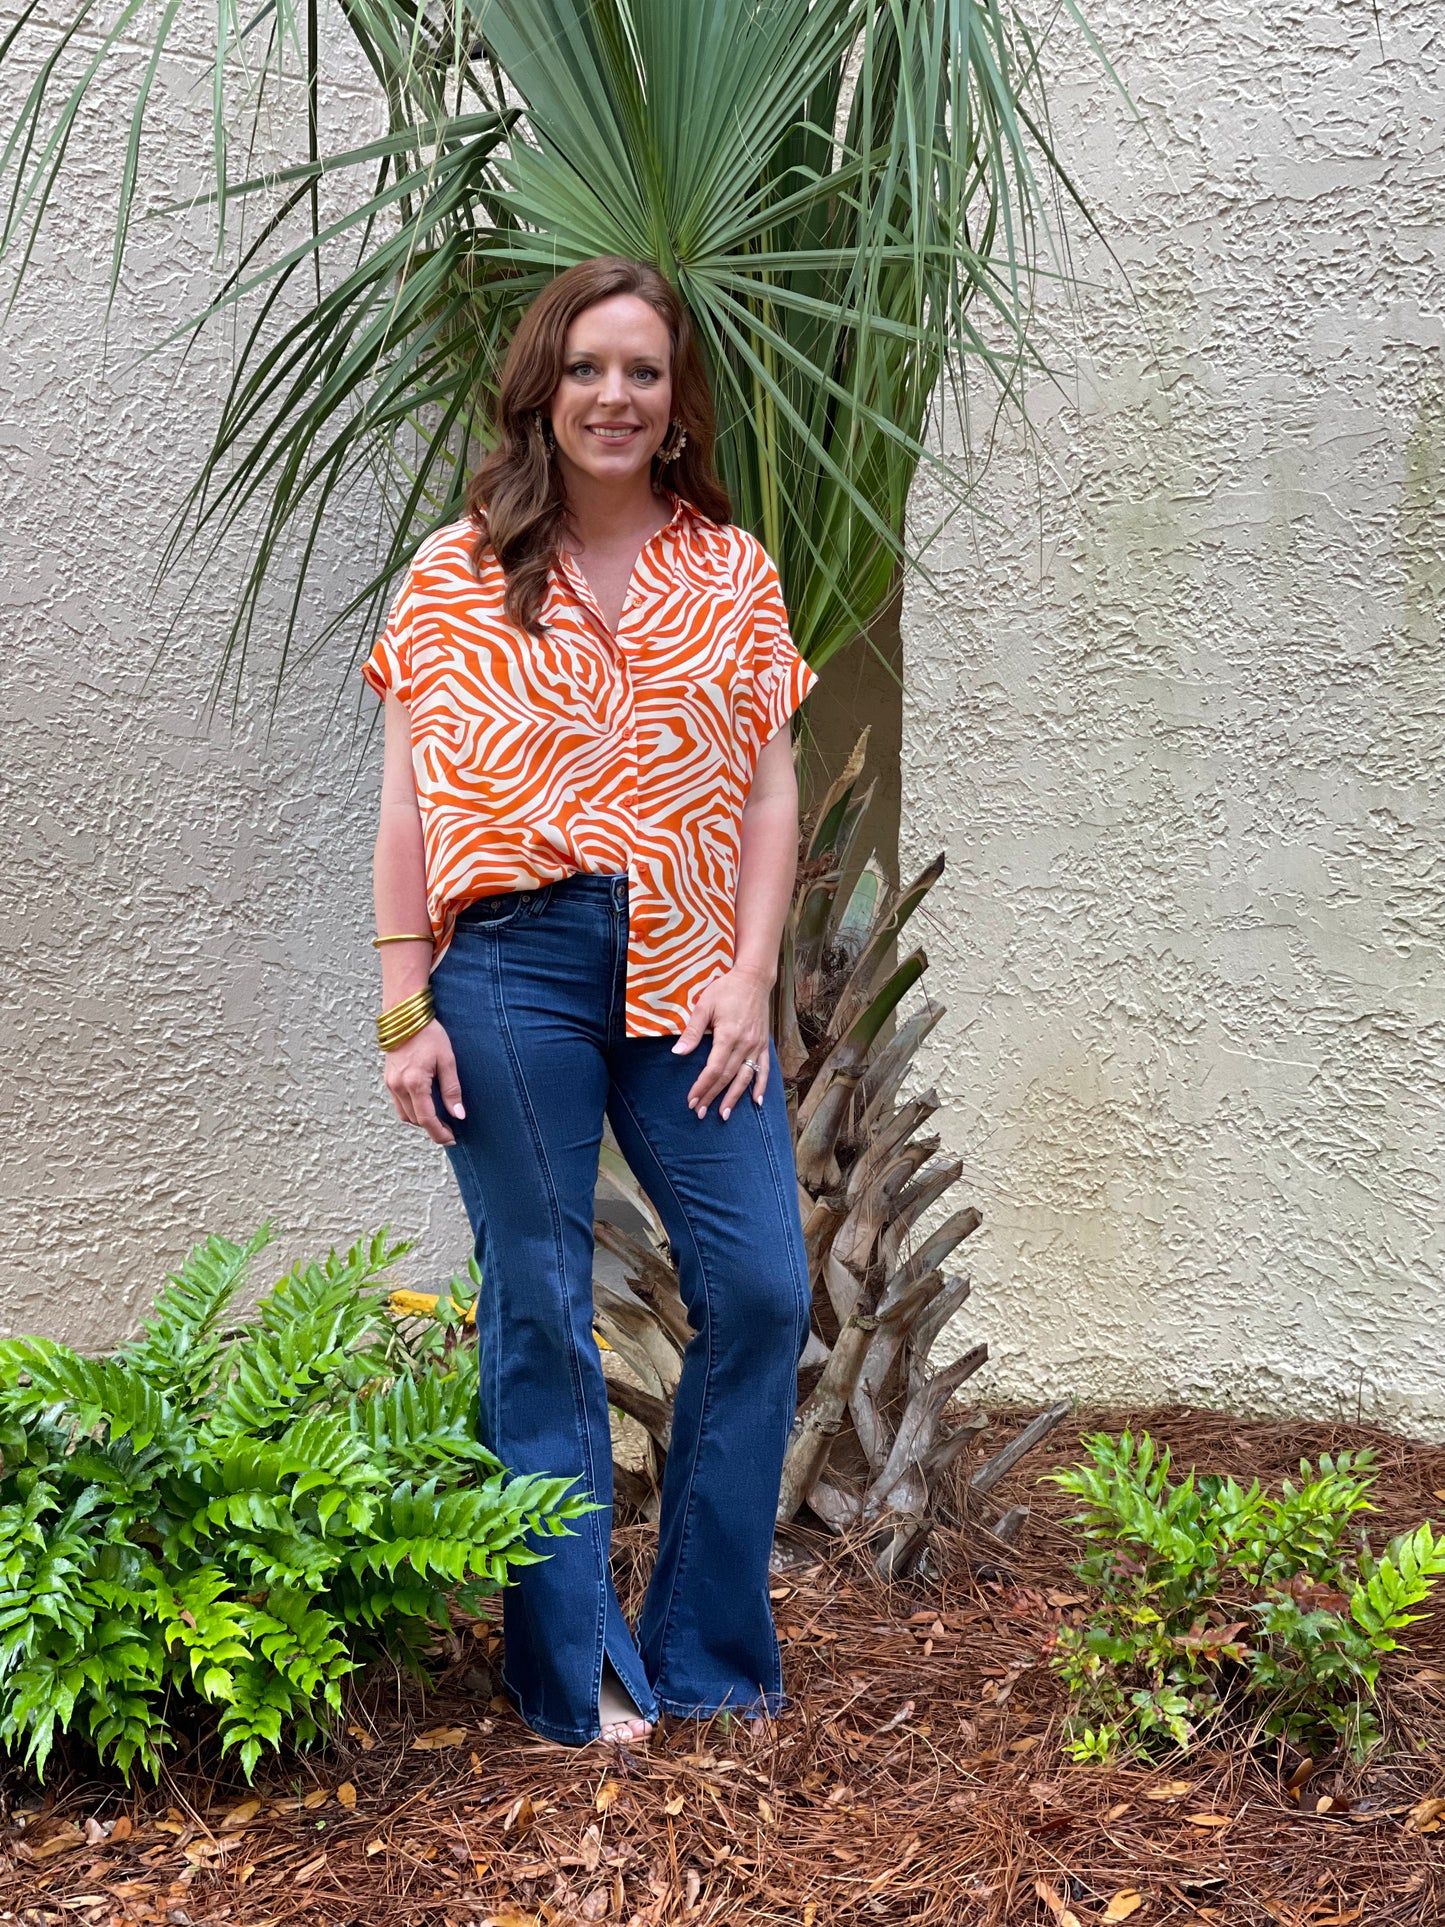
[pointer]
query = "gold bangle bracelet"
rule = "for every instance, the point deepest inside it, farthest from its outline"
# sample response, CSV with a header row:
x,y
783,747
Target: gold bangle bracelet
x,y
410,936
401,1018
405,1019
394,1040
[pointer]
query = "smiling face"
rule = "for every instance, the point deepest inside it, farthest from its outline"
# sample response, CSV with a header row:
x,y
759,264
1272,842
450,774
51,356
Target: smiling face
x,y
611,409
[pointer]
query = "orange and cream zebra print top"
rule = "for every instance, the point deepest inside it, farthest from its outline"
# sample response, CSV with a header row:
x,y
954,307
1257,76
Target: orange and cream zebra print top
x,y
580,750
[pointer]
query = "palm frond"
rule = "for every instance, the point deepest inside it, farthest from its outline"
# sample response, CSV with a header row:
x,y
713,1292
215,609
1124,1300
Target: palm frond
x,y
853,196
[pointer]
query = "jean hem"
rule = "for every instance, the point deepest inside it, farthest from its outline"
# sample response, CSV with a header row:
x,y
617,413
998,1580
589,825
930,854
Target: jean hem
x,y
767,1706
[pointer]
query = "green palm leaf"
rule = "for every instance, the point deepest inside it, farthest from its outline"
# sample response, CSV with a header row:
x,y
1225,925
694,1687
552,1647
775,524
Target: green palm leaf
x,y
853,197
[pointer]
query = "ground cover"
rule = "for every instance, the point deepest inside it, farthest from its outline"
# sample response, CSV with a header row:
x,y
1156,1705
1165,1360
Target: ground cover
x,y
919,1777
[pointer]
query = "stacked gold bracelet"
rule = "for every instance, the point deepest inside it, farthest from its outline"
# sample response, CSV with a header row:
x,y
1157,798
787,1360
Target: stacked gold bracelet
x,y
405,1019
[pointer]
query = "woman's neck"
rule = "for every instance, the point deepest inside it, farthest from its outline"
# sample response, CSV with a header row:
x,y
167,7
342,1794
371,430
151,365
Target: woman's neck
x,y
601,515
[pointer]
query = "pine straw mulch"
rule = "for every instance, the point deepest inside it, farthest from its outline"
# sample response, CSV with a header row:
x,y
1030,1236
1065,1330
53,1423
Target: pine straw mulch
x,y
918,1778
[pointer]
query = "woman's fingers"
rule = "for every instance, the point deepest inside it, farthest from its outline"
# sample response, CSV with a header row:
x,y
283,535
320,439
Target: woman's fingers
x,y
424,1111
447,1079
722,1063
760,1076
414,1070
695,1028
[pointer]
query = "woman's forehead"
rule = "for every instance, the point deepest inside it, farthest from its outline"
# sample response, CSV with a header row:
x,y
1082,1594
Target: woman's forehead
x,y
624,323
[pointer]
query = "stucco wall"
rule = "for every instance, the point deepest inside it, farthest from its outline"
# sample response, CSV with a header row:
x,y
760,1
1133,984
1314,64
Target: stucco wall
x,y
187,990
1175,712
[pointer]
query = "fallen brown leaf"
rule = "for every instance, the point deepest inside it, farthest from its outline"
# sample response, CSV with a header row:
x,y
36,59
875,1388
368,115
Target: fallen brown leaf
x,y
1123,1906
123,1828
346,1795
236,1817
1425,1817
905,1712
1054,1901
317,1797
366,1741
675,1805
1118,1812
520,1815
436,1738
1209,1819
607,1794
1174,1790
64,1840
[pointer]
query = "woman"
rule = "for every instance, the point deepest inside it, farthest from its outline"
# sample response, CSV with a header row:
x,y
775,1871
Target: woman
x,y
586,853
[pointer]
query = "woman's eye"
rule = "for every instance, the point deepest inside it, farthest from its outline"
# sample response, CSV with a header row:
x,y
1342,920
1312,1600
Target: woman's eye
x,y
644,374
580,370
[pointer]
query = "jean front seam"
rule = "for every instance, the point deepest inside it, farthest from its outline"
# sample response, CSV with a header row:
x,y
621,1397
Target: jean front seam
x,y
685,1536
583,1432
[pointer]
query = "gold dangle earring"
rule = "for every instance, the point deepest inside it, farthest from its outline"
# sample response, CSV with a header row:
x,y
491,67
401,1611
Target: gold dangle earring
x,y
539,429
675,443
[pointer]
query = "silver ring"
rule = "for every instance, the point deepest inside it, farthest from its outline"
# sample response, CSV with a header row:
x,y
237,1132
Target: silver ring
x,y
754,1068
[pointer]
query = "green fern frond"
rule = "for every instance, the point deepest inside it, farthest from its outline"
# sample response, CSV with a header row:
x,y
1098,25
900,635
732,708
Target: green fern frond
x,y
178,1346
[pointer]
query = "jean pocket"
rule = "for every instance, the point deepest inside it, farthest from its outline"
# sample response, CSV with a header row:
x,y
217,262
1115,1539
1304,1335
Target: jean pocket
x,y
491,913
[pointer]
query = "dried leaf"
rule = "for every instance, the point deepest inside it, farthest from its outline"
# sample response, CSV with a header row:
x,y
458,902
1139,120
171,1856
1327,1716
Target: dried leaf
x,y
438,1737
1053,1900
309,1872
607,1794
1338,1920
905,1712
366,1741
64,1840
1425,1816
520,1815
1117,1812
238,1816
346,1795
1123,1906
509,1917
375,1846
675,1805
317,1797
810,1913
243,1874
1175,1790
765,1812
1209,1819
123,1828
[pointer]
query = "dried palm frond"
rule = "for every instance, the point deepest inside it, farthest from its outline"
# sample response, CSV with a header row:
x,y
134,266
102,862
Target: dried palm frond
x,y
874,1431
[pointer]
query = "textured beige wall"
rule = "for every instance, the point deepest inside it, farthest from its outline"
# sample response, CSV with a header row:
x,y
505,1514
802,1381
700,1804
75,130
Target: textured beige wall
x,y
1175,713
186,988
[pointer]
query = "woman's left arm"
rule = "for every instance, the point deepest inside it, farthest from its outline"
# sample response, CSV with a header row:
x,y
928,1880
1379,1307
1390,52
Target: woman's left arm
x,y
734,1007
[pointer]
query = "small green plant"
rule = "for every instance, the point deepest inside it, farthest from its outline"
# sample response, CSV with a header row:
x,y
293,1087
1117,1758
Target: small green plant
x,y
1214,1599
232,1516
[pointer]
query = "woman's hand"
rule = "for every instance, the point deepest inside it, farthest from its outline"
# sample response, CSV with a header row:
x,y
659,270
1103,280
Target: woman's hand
x,y
411,1071
734,1008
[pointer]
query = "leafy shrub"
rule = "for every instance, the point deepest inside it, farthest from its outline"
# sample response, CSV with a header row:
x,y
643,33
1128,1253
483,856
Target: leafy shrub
x,y
1214,1599
236,1516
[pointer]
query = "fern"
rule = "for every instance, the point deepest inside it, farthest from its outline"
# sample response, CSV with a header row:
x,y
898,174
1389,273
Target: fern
x,y
1213,1596
234,1516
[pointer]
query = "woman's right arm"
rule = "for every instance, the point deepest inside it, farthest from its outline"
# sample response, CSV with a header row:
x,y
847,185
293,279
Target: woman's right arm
x,y
399,887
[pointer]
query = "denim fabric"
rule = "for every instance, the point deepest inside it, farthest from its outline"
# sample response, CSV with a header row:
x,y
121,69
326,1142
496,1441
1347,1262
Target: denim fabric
x,y
532,995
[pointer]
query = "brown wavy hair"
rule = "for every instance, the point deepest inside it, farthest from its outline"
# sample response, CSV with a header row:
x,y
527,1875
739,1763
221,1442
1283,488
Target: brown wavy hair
x,y
516,497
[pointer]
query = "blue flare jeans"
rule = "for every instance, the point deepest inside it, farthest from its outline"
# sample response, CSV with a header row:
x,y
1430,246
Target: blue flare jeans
x,y
531,993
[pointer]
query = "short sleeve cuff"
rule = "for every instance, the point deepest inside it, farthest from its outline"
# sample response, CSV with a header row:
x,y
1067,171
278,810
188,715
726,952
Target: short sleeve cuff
x,y
782,688
383,672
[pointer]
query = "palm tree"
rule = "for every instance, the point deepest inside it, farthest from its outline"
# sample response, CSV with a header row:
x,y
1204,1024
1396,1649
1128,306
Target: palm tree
x,y
850,194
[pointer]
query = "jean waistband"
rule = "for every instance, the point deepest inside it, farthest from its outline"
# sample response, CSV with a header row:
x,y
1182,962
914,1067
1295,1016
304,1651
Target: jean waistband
x,y
590,883
609,887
